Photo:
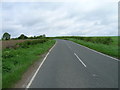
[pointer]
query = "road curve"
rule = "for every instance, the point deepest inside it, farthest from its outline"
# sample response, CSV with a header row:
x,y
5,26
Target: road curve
x,y
70,65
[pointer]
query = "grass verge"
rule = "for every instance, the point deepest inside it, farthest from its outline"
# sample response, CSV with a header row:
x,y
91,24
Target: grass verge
x,y
111,49
19,60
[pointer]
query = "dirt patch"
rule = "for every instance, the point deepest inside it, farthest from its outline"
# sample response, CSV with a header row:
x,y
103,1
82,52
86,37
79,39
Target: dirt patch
x,y
11,43
29,73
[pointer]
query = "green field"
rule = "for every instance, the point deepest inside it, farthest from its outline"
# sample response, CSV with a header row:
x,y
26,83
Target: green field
x,y
109,48
17,61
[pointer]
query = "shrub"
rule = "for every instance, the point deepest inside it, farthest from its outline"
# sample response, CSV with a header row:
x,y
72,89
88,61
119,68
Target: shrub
x,y
7,54
23,45
33,42
102,40
6,68
108,40
88,39
22,36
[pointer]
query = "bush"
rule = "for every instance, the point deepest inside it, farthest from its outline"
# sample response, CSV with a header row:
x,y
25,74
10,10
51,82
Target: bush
x,y
102,40
88,39
22,36
33,42
7,54
6,68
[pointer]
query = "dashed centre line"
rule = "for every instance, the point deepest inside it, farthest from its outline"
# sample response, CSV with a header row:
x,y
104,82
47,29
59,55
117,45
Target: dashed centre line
x,y
80,60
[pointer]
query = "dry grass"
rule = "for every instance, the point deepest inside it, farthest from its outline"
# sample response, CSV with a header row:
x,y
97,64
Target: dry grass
x,y
10,43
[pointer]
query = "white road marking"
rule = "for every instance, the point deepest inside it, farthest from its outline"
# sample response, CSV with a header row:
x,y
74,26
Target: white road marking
x,y
99,53
39,67
80,60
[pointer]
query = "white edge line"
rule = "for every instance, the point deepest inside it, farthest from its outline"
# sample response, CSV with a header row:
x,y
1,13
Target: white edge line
x,y
39,67
99,52
80,60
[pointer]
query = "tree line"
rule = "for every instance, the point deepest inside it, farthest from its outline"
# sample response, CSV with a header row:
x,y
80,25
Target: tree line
x,y
7,36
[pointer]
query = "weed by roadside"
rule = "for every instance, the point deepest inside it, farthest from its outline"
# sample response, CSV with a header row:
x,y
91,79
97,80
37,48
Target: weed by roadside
x,y
111,49
17,61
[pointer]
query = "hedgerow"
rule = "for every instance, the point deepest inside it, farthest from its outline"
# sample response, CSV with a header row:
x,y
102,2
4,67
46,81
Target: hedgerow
x,y
33,42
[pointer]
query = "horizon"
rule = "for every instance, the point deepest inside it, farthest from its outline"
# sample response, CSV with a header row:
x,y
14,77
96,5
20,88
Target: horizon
x,y
60,36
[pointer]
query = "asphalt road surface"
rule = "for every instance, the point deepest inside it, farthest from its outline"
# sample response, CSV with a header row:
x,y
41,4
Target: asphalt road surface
x,y
70,65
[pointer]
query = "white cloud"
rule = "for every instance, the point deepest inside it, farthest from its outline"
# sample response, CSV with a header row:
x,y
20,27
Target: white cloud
x,y
88,17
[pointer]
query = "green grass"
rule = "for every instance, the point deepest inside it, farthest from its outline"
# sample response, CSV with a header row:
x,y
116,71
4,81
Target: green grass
x,y
19,60
111,49
115,41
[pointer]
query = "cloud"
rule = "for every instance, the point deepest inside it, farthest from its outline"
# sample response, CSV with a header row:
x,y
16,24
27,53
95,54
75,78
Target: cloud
x,y
93,18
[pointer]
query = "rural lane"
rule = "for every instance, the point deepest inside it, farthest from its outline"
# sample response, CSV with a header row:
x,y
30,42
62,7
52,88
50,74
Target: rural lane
x,y
69,65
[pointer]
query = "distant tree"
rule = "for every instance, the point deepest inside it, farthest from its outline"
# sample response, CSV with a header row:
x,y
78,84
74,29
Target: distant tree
x,y
44,35
22,36
31,37
35,37
41,36
38,37
6,36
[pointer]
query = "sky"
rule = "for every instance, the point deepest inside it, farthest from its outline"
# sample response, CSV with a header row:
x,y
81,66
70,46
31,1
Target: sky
x,y
81,18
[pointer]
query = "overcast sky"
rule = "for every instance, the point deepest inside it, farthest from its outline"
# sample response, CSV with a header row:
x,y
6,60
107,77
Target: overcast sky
x,y
83,18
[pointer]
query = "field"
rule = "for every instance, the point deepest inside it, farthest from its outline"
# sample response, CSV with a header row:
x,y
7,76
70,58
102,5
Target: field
x,y
106,45
16,61
10,43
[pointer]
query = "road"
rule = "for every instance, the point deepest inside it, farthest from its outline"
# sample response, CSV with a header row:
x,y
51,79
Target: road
x,y
70,65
